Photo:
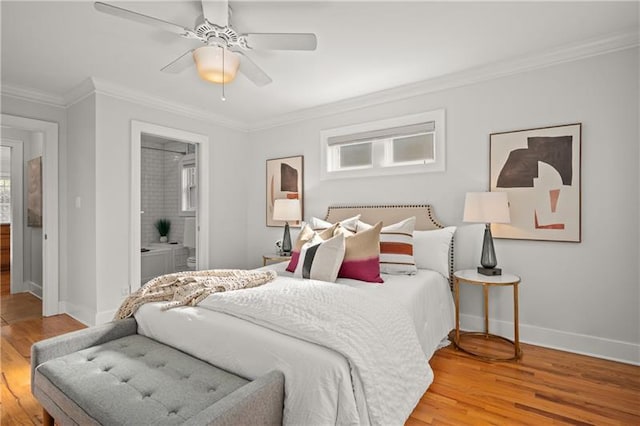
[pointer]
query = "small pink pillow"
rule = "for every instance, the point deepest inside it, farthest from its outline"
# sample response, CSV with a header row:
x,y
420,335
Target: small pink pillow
x,y
362,255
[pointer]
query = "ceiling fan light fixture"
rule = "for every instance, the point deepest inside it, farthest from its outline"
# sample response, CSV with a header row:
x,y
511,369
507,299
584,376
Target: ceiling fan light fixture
x,y
211,66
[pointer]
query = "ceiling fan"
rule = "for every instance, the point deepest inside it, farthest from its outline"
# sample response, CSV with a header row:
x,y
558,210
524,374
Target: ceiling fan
x,y
223,50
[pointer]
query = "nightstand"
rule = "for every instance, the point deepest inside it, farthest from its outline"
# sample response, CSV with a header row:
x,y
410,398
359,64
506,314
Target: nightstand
x,y
472,277
274,258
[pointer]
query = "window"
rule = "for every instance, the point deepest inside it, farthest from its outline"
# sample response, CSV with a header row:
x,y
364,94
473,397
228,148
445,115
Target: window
x,y
189,200
410,144
353,156
5,185
5,200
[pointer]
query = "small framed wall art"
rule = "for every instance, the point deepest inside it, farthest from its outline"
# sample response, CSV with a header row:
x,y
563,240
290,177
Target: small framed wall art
x,y
540,171
285,179
34,192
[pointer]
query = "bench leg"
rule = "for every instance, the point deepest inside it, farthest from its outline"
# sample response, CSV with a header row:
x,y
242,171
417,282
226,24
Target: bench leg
x,y
47,420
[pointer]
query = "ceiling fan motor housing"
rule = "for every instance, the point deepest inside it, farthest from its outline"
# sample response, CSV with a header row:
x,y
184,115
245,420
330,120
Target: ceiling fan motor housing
x,y
213,34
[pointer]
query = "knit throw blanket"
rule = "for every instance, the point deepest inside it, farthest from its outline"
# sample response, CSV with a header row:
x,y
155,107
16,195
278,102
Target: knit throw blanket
x,y
190,288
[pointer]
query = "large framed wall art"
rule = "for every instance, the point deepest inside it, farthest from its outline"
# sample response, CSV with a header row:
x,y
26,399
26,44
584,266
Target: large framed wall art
x,y
285,179
540,171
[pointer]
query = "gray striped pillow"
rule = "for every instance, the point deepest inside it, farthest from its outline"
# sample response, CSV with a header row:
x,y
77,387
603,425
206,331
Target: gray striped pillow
x,y
321,259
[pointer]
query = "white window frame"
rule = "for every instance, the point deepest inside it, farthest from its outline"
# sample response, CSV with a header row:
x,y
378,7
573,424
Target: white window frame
x,y
188,160
382,150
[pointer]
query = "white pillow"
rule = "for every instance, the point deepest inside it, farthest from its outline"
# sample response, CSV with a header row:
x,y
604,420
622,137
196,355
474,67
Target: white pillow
x,y
319,224
396,247
431,249
321,259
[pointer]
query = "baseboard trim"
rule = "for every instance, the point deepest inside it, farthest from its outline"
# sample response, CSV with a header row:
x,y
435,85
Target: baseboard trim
x,y
105,316
614,350
84,315
34,288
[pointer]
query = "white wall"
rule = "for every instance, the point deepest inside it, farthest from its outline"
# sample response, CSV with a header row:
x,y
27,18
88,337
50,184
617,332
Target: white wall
x,y
81,207
227,186
33,148
582,297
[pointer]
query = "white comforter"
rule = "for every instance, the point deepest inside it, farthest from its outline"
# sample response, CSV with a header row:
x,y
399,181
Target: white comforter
x,y
378,340
320,386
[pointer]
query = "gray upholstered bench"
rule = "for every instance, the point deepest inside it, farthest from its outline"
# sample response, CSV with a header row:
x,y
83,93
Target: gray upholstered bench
x,y
112,376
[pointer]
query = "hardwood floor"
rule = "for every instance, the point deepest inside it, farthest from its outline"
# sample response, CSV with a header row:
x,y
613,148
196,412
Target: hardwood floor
x,y
545,387
22,325
19,307
5,283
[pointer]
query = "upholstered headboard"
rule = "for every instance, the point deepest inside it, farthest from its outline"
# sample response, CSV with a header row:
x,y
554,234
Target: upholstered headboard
x,y
389,214
425,219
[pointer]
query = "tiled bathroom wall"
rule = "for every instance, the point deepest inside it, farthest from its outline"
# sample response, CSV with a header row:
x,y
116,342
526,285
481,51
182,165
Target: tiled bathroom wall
x,y
152,193
160,188
172,190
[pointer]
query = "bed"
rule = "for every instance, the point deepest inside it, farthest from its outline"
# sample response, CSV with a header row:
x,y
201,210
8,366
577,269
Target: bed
x,y
336,370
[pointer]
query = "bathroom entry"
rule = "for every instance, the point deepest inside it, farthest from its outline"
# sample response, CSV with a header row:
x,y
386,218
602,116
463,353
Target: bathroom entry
x,y
169,201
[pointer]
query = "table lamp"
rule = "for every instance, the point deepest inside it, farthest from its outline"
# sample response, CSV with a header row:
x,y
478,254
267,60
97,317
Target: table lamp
x,y
487,208
286,210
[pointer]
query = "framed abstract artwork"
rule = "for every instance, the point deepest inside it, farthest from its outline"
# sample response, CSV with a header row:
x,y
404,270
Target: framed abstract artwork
x,y
34,192
285,179
540,171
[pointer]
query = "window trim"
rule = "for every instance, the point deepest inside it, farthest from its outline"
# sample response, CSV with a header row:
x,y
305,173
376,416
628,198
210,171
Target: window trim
x,y
189,160
380,168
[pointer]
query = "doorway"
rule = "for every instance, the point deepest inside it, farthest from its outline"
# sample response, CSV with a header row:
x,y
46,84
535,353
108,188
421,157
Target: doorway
x,y
146,131
11,170
45,241
168,206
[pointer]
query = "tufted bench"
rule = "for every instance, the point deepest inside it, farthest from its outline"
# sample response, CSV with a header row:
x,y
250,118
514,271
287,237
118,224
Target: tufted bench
x,y
112,376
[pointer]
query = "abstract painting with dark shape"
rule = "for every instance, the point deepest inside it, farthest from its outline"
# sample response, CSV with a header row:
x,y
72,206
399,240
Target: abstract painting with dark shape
x,y
288,178
521,166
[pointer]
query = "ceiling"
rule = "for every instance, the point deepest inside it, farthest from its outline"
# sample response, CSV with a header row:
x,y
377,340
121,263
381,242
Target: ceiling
x,y
363,47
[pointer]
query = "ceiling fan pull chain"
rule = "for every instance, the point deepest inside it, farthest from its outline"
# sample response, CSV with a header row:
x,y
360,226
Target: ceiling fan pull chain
x,y
223,70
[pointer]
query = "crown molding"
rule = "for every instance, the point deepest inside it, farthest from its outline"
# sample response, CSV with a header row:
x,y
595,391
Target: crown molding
x,y
82,91
104,87
93,85
622,40
33,95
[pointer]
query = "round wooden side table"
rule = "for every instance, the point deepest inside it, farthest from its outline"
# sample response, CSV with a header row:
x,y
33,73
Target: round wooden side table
x,y
472,277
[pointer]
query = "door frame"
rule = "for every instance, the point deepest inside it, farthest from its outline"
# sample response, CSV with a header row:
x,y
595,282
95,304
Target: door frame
x,y
50,208
17,221
202,211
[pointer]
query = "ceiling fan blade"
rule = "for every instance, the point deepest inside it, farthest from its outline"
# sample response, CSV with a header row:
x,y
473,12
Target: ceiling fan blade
x,y
281,41
216,11
180,64
144,19
252,71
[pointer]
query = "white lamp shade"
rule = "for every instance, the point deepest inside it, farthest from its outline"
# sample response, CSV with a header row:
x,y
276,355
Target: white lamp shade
x,y
486,207
208,61
286,210
189,239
